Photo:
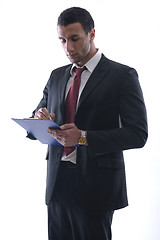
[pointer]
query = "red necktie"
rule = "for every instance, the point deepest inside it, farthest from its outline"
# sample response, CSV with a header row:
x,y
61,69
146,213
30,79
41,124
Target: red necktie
x,y
71,103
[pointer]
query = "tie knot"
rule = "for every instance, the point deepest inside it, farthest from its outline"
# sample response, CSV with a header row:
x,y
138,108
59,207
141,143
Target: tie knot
x,y
79,71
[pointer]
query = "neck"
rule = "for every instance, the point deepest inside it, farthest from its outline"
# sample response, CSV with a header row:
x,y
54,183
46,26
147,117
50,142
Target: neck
x,y
91,53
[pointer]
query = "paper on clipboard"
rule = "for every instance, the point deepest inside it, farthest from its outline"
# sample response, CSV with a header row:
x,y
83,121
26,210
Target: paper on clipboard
x,y
38,128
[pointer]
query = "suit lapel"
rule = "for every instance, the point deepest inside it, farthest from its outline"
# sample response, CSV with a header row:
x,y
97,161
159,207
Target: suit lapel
x,y
62,87
96,77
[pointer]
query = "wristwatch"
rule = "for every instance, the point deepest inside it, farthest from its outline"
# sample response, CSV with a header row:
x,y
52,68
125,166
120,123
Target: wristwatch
x,y
83,139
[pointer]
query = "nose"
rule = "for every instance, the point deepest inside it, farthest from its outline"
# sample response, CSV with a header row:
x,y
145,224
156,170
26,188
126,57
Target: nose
x,y
69,46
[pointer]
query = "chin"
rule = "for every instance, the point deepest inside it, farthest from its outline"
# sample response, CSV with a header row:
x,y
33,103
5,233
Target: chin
x,y
76,61
73,61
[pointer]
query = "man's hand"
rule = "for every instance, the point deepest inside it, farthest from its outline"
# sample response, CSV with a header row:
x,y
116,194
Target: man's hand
x,y
68,135
42,113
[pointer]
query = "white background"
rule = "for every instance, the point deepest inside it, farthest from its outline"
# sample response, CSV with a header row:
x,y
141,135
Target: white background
x,y
127,31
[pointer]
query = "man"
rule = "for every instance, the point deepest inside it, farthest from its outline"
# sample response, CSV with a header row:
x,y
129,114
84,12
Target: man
x,y
86,183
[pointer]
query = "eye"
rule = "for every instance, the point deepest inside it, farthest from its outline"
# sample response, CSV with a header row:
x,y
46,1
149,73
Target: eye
x,y
62,40
75,39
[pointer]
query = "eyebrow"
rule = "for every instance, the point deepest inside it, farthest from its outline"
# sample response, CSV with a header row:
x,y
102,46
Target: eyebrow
x,y
72,36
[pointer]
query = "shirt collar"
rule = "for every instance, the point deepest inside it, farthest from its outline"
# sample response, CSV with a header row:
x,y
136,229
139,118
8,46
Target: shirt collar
x,y
91,64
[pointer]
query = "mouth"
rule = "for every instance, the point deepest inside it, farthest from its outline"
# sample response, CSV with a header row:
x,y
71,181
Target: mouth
x,y
71,55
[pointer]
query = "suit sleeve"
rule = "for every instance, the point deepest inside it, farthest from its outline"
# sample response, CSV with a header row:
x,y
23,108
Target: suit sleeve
x,y
132,131
42,104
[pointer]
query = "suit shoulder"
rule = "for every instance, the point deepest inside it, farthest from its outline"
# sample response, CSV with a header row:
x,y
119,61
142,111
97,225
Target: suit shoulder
x,y
120,73
60,70
118,67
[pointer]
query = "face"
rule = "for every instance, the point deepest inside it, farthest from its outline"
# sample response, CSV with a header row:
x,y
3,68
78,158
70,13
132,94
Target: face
x,y
78,46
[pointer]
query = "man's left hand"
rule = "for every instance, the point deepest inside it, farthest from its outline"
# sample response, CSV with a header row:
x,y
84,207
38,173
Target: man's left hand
x,y
68,135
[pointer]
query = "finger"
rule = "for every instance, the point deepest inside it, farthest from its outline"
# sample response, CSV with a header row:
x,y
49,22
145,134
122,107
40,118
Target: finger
x,y
51,131
56,135
67,126
44,111
52,116
36,116
54,132
40,114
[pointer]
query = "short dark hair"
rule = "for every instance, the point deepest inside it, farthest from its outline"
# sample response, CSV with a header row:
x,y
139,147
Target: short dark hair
x,y
76,15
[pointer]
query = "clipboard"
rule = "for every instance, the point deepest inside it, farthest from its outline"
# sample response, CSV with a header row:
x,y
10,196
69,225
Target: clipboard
x,y
38,128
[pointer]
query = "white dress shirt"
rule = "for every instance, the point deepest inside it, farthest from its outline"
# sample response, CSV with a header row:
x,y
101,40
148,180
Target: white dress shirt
x,y
90,65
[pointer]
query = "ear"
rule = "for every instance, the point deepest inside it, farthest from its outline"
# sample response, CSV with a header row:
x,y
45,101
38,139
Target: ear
x,y
92,34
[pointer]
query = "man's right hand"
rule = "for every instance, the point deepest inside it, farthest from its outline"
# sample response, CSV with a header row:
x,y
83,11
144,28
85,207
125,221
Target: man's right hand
x,y
42,113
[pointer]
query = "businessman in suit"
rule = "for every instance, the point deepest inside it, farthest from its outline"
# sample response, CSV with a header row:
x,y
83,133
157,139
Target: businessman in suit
x,y
86,185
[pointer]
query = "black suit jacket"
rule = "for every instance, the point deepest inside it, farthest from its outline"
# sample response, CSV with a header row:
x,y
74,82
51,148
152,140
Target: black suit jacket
x,y
112,111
